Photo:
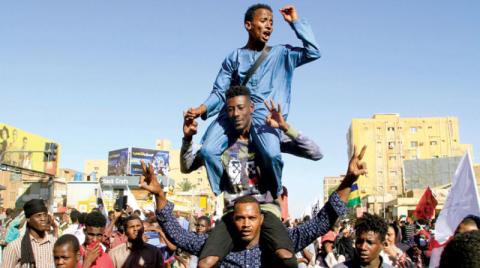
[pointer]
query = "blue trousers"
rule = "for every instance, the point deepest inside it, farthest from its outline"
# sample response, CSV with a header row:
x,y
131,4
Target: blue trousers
x,y
267,143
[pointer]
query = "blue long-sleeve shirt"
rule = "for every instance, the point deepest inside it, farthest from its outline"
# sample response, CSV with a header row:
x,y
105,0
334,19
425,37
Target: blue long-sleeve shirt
x,y
301,235
272,79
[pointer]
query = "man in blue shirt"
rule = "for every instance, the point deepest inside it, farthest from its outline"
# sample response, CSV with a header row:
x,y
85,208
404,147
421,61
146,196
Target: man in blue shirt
x,y
272,80
247,219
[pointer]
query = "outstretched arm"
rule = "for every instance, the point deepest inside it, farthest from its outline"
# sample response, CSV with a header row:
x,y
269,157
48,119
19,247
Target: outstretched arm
x,y
292,142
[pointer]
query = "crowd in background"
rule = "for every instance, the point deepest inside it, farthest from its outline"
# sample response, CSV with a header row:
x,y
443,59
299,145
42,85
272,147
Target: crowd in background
x,y
400,243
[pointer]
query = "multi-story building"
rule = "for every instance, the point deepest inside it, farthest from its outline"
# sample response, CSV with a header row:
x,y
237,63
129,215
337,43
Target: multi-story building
x,y
28,166
330,184
391,139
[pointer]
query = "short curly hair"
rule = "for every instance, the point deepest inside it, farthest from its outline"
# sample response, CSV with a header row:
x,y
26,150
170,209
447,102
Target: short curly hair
x,y
70,240
462,251
236,91
370,222
251,11
95,219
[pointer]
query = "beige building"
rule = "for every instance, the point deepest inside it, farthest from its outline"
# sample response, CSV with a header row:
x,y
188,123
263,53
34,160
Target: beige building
x,y
391,139
329,185
192,191
100,167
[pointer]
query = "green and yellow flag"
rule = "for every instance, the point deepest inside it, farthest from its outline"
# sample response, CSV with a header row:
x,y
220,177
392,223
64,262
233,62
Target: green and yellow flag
x,y
354,198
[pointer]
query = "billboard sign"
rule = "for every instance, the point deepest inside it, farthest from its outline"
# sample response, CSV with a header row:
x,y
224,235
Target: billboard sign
x,y
423,173
159,159
26,150
118,162
120,181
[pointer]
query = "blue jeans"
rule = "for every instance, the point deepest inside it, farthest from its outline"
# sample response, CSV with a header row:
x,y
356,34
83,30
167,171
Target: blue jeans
x,y
267,143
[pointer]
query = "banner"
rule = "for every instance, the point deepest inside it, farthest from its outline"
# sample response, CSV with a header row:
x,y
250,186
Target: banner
x,y
26,150
159,160
118,162
426,206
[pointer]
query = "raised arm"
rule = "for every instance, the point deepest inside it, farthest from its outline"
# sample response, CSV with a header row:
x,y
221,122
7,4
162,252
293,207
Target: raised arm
x,y
306,233
309,51
183,239
188,160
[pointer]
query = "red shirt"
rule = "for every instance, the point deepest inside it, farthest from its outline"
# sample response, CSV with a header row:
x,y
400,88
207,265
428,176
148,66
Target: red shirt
x,y
103,261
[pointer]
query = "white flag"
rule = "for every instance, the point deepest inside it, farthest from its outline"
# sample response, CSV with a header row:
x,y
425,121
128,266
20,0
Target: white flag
x,y
132,202
461,201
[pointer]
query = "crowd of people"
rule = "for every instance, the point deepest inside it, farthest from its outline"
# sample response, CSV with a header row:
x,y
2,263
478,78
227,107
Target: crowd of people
x,y
137,239
241,151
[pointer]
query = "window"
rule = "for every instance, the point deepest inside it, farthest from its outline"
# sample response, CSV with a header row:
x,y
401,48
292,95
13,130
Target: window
x,y
413,144
433,142
392,157
391,144
413,130
393,188
390,129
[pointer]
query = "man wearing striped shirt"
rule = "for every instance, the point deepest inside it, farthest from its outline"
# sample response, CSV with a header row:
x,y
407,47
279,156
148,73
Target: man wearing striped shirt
x,y
34,249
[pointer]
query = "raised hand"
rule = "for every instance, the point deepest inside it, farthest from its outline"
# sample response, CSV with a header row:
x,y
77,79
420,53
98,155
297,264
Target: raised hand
x,y
275,118
189,127
149,180
289,13
356,167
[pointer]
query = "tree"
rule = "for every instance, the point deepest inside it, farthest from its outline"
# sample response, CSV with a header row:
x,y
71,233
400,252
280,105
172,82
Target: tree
x,y
186,186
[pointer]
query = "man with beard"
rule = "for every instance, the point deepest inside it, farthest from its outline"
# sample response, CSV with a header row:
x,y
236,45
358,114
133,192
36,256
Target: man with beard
x,y
34,249
135,252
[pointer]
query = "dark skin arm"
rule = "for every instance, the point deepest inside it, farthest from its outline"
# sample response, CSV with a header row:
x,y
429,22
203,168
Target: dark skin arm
x,y
189,127
355,168
150,183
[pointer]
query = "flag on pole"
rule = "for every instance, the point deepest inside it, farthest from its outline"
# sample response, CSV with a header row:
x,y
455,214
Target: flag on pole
x,y
100,203
354,198
462,201
132,202
426,206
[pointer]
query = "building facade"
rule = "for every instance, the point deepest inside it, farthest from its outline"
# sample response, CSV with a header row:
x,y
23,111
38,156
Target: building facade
x,y
391,139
